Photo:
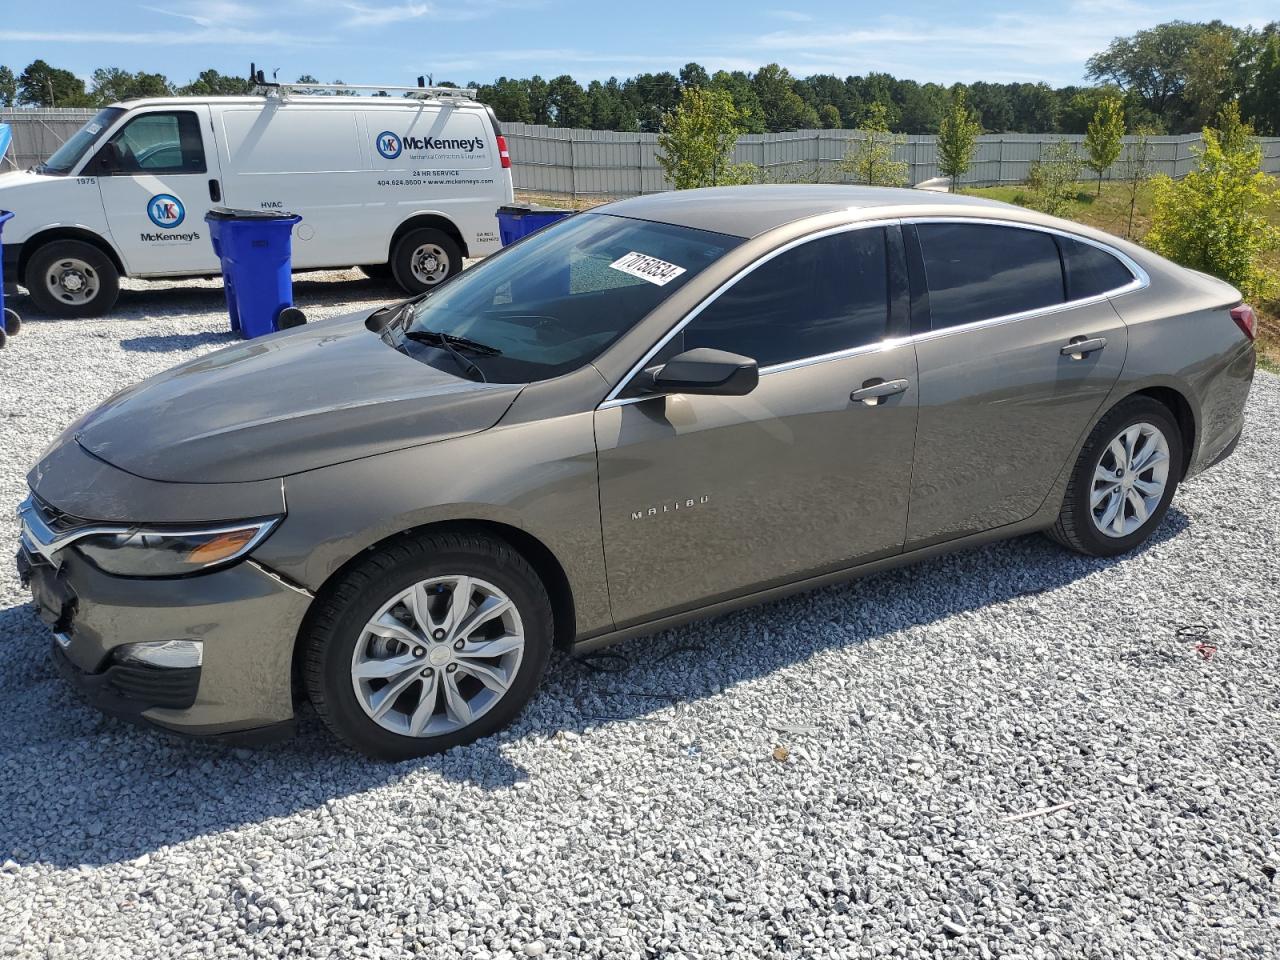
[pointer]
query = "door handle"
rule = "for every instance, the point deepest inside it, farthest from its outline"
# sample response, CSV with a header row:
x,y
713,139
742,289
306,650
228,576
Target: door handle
x,y
1080,347
215,191
875,390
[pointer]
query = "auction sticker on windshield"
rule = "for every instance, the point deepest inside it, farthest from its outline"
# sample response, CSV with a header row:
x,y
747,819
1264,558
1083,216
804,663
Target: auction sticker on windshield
x,y
647,268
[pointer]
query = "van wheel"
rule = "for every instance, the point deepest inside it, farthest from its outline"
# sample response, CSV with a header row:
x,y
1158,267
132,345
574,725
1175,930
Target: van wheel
x,y
376,271
71,278
424,259
427,644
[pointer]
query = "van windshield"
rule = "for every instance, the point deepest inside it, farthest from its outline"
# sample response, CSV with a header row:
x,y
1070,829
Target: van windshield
x,y
70,153
556,300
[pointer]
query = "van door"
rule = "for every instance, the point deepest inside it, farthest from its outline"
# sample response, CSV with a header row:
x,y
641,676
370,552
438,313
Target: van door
x,y
157,175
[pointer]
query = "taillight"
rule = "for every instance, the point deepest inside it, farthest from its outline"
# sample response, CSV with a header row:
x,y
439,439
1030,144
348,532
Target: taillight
x,y
1246,320
502,152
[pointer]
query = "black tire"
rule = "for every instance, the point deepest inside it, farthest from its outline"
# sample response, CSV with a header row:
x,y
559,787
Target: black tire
x,y
3,338
1075,527
402,258
339,617
376,271
12,322
45,260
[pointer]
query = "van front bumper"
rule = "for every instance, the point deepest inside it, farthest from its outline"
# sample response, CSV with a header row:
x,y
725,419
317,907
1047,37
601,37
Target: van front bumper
x,y
242,620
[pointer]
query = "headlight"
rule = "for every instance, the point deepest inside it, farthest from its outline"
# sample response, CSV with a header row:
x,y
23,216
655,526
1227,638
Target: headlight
x,y
173,553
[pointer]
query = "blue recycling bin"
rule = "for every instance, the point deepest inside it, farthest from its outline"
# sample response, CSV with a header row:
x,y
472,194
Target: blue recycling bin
x,y
9,321
521,219
255,247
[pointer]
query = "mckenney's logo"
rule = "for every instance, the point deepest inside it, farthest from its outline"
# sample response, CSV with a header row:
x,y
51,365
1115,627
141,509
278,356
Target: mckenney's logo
x,y
165,210
389,145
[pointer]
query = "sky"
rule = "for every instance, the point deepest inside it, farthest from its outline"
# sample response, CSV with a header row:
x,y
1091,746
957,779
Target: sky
x,y
393,41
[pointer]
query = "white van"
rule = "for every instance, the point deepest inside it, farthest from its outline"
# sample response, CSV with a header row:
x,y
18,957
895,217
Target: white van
x,y
401,186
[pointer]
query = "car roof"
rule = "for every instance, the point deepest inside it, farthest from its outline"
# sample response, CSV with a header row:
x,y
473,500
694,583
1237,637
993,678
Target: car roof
x,y
749,211
373,103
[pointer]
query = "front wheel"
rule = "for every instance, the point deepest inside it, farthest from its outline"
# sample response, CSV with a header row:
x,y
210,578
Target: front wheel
x,y
427,644
424,259
1123,481
71,278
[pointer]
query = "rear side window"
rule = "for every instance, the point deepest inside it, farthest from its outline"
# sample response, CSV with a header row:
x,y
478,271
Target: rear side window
x,y
1090,270
155,143
824,296
977,271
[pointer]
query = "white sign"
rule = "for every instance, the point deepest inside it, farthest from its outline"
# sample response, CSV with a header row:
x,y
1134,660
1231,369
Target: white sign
x,y
647,268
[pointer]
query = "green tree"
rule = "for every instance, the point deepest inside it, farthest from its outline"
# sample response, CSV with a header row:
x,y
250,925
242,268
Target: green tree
x,y
1215,218
211,83
738,85
694,75
1053,178
44,86
568,102
697,140
1105,137
1209,72
509,99
1138,156
957,139
829,116
870,158
782,107
1261,100
8,87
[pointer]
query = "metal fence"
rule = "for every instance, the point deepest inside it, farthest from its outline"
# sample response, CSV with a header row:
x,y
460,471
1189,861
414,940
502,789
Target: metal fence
x,y
602,163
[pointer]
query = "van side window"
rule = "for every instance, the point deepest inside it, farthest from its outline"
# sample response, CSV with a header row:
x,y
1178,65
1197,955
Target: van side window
x,y
165,142
1090,270
978,272
824,296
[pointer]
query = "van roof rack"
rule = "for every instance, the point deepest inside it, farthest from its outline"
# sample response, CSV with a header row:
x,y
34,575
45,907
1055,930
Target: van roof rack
x,y
421,92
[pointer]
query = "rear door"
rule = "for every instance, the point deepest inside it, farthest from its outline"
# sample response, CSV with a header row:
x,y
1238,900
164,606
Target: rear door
x,y
1004,397
154,175
704,498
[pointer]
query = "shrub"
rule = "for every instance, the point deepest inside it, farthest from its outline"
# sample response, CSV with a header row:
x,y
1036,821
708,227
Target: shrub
x,y
1215,218
1052,180
870,159
1105,138
957,139
697,141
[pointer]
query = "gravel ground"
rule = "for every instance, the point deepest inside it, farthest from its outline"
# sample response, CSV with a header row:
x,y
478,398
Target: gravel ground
x,y
860,771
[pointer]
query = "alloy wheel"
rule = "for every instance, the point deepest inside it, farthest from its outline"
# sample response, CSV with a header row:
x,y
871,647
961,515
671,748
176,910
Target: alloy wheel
x,y
1129,480
438,656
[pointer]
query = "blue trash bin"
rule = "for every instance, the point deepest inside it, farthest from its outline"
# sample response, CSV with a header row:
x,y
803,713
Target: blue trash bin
x,y
255,247
9,321
518,220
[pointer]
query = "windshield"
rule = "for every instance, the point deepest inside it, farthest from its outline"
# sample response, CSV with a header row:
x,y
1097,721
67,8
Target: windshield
x,y
68,155
558,299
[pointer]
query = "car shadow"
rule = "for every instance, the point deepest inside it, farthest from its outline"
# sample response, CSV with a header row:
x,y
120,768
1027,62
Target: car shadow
x,y
77,787
175,342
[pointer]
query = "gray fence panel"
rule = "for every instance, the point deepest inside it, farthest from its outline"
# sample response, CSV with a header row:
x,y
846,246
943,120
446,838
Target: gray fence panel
x,y
602,163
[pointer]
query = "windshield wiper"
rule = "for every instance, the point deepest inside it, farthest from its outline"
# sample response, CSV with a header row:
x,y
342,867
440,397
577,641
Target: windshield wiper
x,y
451,344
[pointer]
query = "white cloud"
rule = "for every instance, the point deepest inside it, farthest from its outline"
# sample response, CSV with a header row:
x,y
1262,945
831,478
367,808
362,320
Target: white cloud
x,y
210,13
381,16
795,16
203,36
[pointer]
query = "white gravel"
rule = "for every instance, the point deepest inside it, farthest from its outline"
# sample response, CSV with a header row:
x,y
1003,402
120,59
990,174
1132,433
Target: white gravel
x,y
646,813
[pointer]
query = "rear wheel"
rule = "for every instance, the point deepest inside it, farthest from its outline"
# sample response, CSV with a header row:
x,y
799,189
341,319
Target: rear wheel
x,y
428,644
71,278
425,258
1123,481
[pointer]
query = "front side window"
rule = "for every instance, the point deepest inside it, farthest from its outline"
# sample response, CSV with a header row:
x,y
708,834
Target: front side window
x,y
979,271
1091,271
558,299
824,296
155,143
68,155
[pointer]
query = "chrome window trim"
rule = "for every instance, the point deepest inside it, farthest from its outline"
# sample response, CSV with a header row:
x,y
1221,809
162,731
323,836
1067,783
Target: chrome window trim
x,y
1141,280
39,538
612,400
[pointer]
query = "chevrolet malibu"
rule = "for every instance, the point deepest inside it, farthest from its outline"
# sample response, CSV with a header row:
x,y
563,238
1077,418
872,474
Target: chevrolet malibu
x,y
663,409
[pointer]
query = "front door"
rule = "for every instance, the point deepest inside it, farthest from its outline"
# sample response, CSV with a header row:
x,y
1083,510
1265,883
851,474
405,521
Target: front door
x,y
705,498
157,174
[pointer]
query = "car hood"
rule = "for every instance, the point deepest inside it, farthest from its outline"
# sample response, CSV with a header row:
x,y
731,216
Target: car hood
x,y
293,401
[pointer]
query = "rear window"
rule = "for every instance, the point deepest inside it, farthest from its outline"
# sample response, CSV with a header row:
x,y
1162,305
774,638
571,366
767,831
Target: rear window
x,y
978,271
1091,271
556,300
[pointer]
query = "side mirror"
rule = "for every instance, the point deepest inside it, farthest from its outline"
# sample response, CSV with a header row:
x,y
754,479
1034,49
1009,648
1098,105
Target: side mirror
x,y
705,371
